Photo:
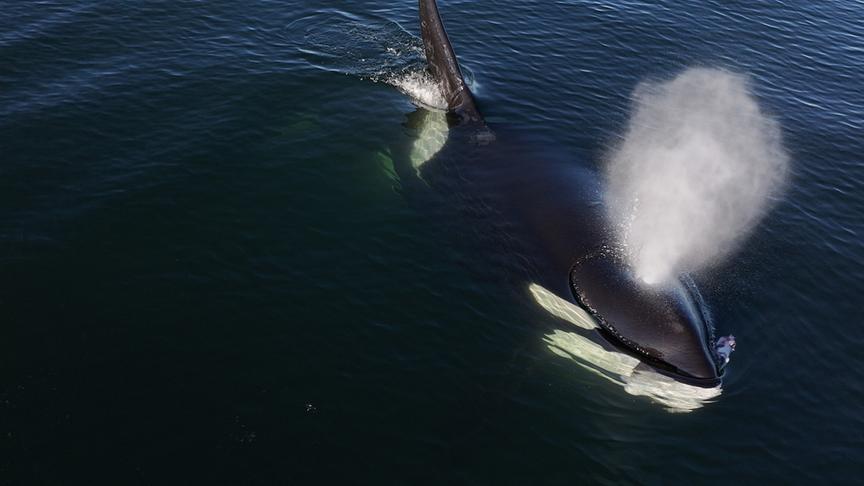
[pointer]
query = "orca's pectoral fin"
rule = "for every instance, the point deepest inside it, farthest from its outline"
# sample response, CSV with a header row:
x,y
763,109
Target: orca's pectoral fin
x,y
443,66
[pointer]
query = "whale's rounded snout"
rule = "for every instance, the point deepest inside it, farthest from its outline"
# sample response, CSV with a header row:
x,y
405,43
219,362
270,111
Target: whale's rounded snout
x,y
663,324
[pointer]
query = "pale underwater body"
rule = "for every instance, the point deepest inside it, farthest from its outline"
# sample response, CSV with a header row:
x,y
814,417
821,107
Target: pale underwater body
x,y
589,351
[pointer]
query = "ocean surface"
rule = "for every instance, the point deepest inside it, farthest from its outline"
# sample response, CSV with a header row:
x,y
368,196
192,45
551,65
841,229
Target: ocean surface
x,y
209,273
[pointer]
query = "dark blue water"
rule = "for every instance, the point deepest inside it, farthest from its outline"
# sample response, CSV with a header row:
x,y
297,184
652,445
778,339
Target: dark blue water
x,y
209,274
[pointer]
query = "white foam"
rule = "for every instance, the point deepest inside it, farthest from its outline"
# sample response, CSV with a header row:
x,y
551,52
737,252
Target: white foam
x,y
421,87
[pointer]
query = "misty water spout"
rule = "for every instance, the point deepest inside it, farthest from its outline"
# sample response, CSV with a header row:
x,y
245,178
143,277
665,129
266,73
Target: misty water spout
x,y
695,171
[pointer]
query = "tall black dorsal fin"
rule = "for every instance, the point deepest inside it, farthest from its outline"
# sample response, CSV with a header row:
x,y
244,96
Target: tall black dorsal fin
x,y
443,65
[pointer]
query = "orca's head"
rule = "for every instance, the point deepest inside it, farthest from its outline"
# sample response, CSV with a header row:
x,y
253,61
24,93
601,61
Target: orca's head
x,y
662,325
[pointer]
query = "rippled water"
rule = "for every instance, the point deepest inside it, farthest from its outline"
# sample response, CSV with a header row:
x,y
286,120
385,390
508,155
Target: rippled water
x,y
211,274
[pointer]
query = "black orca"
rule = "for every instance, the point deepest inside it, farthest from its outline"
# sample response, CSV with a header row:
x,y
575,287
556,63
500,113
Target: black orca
x,y
553,209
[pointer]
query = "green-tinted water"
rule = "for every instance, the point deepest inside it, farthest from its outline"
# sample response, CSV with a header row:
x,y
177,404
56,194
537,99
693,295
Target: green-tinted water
x,y
209,273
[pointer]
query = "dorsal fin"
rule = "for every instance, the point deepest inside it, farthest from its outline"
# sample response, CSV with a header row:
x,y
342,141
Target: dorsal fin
x,y
443,65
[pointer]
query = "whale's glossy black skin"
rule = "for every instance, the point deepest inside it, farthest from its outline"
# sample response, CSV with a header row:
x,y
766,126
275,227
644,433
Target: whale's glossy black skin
x,y
550,207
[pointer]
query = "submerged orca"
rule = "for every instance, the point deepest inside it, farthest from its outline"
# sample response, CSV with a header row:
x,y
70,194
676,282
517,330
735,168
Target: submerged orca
x,y
553,211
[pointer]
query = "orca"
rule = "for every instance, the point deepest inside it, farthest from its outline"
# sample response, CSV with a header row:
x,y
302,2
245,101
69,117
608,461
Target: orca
x,y
549,211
